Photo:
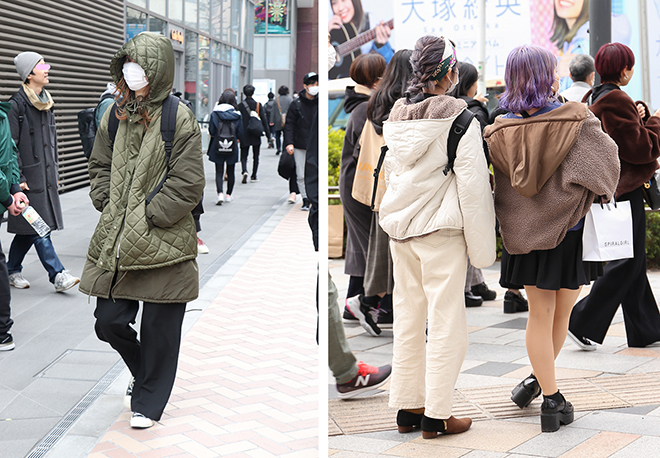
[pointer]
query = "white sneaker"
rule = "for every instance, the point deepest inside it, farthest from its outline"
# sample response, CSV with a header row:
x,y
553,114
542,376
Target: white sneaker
x,y
64,280
129,393
17,280
228,198
582,342
220,199
140,421
292,198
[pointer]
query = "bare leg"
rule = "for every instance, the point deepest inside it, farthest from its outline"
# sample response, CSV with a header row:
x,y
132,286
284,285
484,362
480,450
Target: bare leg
x,y
539,336
565,301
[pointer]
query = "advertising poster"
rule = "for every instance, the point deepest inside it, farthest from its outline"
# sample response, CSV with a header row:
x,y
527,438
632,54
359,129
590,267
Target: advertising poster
x,y
653,24
352,31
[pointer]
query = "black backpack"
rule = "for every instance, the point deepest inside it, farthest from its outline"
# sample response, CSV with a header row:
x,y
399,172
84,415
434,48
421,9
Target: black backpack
x,y
167,130
254,126
225,138
87,126
458,128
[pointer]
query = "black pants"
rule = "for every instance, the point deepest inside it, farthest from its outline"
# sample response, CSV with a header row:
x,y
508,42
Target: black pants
x,y
153,359
278,140
255,159
220,176
5,297
623,282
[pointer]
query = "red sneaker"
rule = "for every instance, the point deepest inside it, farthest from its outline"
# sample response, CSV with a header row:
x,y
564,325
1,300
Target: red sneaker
x,y
368,378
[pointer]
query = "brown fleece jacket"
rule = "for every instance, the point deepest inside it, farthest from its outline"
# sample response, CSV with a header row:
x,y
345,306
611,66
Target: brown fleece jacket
x,y
548,170
638,139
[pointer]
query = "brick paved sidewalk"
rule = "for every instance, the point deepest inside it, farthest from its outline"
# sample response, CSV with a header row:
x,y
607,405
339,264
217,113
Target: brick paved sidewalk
x,y
615,391
247,383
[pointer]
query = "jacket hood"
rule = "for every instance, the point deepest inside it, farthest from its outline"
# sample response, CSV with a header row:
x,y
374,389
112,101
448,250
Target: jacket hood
x,y
153,52
110,89
226,112
355,95
420,124
303,98
528,151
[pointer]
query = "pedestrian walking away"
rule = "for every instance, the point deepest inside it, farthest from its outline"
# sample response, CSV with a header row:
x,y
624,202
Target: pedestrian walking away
x,y
144,245
435,210
299,118
251,138
625,283
13,200
283,102
545,182
33,130
225,128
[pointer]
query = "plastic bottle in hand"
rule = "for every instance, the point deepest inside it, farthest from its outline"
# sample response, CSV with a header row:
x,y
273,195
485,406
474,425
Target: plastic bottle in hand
x,y
35,220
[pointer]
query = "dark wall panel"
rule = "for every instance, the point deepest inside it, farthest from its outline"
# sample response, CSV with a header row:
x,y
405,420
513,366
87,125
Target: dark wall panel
x,y
77,38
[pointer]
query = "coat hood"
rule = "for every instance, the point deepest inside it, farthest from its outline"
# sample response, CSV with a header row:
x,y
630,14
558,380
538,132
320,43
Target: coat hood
x,y
303,99
421,125
226,112
153,52
529,150
355,95
4,109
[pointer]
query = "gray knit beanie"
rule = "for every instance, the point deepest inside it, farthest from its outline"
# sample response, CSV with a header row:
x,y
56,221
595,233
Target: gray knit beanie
x,y
25,63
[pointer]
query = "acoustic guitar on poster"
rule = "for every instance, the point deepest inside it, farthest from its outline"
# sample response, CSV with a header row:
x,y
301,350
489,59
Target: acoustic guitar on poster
x,y
348,42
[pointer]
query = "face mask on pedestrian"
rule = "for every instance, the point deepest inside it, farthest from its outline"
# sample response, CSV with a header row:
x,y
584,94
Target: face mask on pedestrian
x,y
453,85
313,90
134,76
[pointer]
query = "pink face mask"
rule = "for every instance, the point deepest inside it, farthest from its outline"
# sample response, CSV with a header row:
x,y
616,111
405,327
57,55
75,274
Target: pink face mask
x,y
44,67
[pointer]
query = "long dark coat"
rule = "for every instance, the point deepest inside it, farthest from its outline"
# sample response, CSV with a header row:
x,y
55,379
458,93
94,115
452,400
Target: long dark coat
x,y
34,133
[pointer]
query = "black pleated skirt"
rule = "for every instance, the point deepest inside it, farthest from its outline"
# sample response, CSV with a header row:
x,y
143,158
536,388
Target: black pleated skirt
x,y
559,268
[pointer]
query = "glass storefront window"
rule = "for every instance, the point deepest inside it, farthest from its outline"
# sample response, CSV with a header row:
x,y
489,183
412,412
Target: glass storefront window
x,y
275,58
248,29
176,10
142,3
236,22
157,25
136,22
191,70
203,78
226,20
191,13
204,15
216,18
158,7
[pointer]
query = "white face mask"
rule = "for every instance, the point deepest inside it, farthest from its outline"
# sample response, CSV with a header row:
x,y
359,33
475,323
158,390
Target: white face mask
x,y
313,90
332,57
453,85
134,76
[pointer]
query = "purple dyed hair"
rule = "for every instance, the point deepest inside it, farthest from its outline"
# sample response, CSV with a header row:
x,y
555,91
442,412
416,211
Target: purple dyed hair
x,y
529,74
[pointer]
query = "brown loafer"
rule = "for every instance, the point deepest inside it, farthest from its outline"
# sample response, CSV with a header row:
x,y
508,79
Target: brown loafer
x,y
431,427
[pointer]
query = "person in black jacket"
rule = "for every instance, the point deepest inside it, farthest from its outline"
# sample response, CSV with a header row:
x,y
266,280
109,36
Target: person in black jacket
x,y
32,125
299,119
248,105
476,290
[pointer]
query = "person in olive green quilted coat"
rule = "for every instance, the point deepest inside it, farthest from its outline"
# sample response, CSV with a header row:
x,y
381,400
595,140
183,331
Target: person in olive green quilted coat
x,y
139,251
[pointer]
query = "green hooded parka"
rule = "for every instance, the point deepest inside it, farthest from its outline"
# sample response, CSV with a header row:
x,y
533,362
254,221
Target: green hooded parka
x,y
151,248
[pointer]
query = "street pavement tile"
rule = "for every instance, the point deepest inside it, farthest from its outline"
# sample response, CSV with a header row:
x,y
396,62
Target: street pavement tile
x,y
642,447
359,444
485,454
490,435
601,445
493,369
598,361
560,373
637,410
495,353
423,450
516,323
636,389
646,352
472,380
554,444
620,422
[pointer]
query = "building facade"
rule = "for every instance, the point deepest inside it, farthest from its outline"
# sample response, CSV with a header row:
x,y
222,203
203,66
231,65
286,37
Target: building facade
x,y
212,40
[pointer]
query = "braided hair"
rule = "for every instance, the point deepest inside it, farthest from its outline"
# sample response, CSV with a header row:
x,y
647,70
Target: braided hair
x,y
424,60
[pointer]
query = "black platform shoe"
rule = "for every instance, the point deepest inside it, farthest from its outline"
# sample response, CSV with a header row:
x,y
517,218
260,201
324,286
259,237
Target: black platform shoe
x,y
514,303
526,391
432,427
555,411
407,421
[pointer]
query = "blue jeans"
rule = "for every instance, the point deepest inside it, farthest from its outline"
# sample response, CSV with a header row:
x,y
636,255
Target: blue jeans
x,y
45,250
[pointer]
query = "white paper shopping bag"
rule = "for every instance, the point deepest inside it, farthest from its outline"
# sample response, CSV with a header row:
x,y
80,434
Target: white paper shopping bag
x,y
607,232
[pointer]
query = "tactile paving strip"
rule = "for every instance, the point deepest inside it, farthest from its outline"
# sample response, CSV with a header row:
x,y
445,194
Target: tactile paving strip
x,y
370,414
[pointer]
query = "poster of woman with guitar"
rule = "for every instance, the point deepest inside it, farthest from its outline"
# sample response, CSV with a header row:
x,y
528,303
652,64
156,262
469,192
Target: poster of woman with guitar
x,y
351,35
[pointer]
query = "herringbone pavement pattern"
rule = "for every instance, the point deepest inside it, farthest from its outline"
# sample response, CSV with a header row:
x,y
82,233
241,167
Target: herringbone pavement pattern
x,y
247,384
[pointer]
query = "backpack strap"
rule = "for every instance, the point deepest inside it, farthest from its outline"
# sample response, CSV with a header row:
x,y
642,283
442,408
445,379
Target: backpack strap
x,y
167,131
458,129
381,158
113,125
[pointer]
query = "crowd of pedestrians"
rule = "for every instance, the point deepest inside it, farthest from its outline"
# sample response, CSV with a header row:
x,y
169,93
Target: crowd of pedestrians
x,y
551,157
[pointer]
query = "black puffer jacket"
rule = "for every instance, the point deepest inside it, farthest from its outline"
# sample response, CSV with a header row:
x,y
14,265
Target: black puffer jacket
x,y
299,119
